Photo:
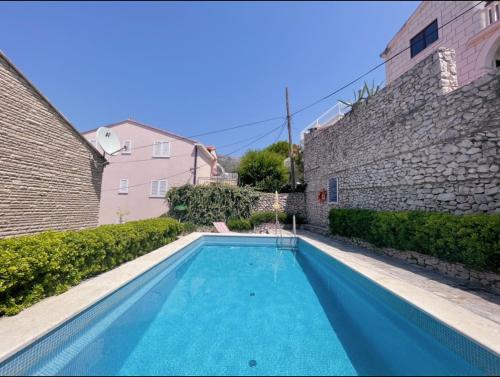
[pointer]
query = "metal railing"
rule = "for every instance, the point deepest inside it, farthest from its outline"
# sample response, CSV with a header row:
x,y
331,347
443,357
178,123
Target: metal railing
x,y
227,178
329,117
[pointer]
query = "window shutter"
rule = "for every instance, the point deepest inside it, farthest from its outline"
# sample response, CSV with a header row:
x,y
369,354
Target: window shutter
x,y
162,189
157,148
165,152
123,186
154,188
333,190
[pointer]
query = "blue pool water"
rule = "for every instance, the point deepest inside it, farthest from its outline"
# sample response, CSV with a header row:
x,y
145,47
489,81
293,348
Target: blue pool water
x,y
240,306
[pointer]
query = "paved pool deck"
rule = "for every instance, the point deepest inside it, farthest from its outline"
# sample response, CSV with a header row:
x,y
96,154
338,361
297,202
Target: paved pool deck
x,y
472,315
479,301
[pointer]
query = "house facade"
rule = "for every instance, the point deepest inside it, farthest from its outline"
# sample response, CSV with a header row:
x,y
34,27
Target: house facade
x,y
152,161
50,176
473,34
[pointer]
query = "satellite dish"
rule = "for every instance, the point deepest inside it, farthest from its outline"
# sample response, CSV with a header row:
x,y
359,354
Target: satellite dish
x,y
108,140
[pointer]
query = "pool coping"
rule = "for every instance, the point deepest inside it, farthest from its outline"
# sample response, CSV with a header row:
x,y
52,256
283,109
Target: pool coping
x,y
33,323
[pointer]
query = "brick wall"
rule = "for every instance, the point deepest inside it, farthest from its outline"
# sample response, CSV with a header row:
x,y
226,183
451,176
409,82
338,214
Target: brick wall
x,y
419,144
48,179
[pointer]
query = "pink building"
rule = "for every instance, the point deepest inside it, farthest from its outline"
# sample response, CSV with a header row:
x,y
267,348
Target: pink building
x,y
137,178
474,35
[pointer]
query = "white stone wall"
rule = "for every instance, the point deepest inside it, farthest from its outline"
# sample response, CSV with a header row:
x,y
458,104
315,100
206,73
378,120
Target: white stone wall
x,y
419,144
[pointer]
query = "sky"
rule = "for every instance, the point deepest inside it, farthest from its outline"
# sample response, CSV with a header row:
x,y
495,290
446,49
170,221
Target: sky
x,y
196,67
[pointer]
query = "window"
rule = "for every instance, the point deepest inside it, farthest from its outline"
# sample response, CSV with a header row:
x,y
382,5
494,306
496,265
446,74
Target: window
x,y
423,39
123,186
161,149
333,191
127,147
492,12
159,188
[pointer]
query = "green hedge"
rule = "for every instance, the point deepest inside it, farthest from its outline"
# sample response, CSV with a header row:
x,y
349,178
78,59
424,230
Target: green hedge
x,y
38,266
473,240
239,224
267,217
204,204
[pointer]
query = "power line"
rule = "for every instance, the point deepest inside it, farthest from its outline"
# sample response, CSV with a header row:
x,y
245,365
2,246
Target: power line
x,y
260,137
185,154
378,65
221,130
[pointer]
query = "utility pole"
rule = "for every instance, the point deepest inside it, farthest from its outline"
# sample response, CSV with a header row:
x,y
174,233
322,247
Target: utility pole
x,y
290,144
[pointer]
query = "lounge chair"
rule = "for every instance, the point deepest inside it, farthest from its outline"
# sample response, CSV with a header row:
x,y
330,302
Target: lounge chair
x,y
221,227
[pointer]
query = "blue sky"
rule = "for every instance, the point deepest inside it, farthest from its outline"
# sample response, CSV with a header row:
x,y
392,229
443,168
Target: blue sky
x,y
195,67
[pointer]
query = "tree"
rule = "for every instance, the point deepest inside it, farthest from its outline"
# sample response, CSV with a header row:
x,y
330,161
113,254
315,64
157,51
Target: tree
x,y
280,147
263,170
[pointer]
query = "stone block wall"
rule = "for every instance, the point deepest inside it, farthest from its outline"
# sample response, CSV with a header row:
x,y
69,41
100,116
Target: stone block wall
x,y
293,202
421,143
48,178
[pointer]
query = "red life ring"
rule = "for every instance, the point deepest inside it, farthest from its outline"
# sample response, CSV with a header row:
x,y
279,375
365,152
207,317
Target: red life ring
x,y
322,196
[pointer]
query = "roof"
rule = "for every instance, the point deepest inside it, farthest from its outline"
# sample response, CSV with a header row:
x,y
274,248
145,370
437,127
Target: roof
x,y
46,100
156,129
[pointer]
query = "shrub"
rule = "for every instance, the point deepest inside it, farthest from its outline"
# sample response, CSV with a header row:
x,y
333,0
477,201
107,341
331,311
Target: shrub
x,y
189,227
37,266
267,217
205,204
473,240
263,170
299,219
239,224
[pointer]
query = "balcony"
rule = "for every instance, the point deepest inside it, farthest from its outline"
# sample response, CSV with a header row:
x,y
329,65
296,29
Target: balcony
x,y
226,178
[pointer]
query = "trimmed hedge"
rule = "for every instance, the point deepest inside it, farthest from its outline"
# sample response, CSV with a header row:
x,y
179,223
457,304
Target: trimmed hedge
x,y
473,240
37,266
267,217
239,224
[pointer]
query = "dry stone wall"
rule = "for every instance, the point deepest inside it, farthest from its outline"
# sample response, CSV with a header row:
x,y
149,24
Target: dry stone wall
x,y
421,143
293,203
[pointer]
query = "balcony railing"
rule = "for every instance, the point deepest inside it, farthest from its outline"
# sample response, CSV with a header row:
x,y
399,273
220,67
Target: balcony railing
x,y
227,178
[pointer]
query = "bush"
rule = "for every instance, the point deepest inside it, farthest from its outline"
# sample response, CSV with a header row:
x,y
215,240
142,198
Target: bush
x,y
189,227
205,204
239,224
37,266
263,170
473,240
299,219
267,217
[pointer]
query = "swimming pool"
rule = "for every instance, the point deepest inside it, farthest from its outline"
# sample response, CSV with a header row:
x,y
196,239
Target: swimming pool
x,y
241,306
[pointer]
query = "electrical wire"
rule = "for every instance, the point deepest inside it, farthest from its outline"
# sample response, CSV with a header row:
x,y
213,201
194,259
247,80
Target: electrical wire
x,y
253,141
377,66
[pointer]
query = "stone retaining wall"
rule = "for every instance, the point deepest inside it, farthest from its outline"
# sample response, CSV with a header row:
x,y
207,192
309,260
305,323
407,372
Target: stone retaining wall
x,y
421,143
488,280
293,202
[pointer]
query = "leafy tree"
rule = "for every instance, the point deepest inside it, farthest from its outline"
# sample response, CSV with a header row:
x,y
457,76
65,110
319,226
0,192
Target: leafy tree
x,y
280,147
263,170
